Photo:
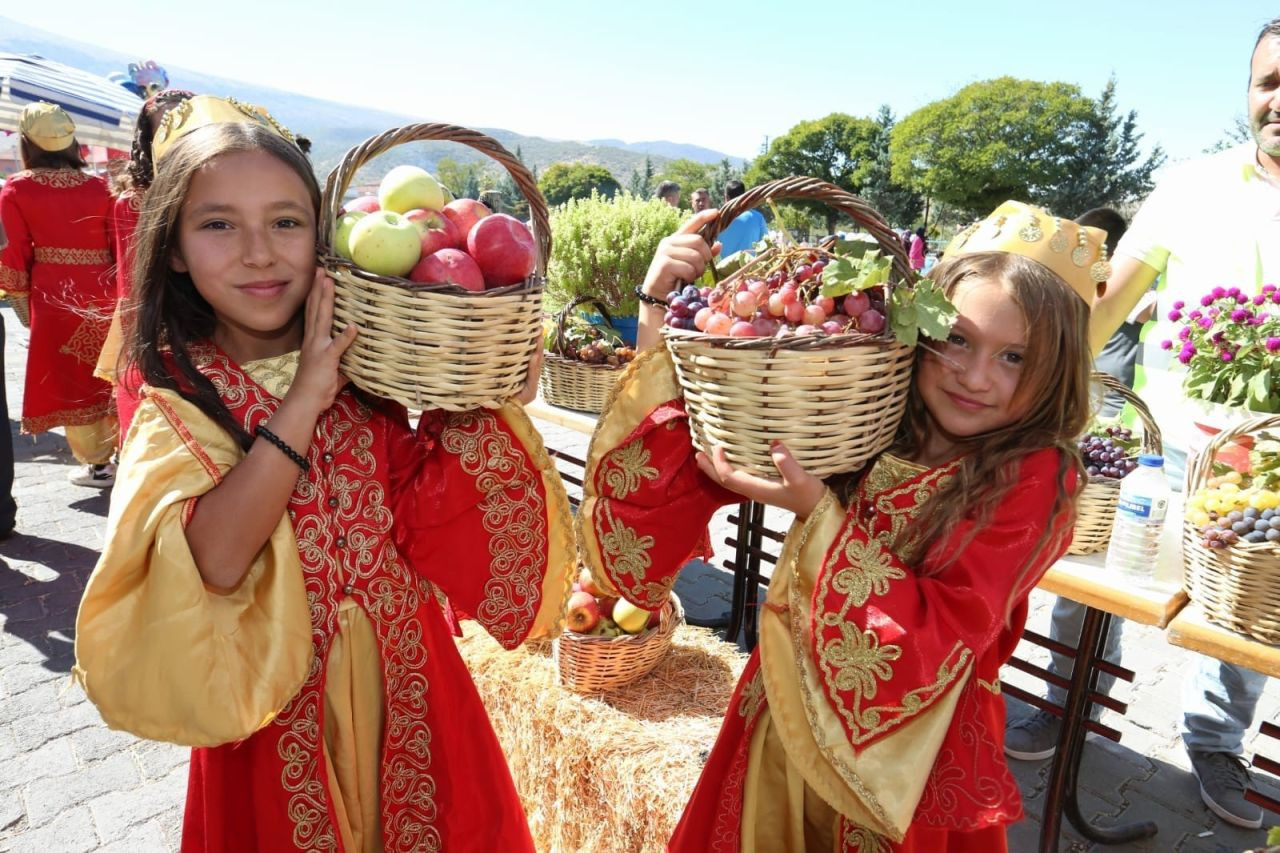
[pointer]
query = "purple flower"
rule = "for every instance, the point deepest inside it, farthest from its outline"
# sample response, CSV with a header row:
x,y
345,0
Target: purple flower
x,y
1188,349
1259,299
1273,344
1206,301
1275,297
1214,312
1175,316
1218,293
1206,323
1185,357
1166,345
1184,332
1240,315
1217,337
1195,315
1241,299
1235,291
1269,288
1179,305
1226,356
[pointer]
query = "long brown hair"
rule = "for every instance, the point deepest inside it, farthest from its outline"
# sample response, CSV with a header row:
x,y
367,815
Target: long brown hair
x,y
1054,384
170,317
35,157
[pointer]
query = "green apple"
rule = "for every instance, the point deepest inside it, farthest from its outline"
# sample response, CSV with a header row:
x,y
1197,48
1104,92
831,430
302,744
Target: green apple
x,y
407,187
385,243
630,618
342,235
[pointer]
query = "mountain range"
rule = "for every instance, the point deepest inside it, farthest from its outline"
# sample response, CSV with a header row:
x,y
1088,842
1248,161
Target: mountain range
x,y
334,128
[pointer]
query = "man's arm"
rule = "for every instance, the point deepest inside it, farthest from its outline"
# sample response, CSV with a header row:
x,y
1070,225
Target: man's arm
x,y
1130,278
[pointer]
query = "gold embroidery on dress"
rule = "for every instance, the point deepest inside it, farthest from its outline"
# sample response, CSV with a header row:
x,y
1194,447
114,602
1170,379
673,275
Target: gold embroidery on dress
x,y
625,467
751,697
859,839
993,685
72,257
59,178
85,343
14,281
869,572
857,661
625,553
67,417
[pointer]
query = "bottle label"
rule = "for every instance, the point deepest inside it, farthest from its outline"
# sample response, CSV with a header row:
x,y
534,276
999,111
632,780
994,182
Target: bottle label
x,y
1141,508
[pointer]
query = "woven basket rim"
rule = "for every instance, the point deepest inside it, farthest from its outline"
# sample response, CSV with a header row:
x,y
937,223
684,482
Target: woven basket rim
x,y
807,343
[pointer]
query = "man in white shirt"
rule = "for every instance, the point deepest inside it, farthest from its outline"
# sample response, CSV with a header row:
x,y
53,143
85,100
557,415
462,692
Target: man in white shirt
x,y
1213,221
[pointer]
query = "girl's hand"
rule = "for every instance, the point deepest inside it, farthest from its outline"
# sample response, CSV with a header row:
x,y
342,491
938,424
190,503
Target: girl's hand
x,y
798,492
530,390
680,257
319,380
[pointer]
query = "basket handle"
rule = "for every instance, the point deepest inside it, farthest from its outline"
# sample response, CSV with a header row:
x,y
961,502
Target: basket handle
x,y
335,186
563,317
1198,472
1151,440
811,189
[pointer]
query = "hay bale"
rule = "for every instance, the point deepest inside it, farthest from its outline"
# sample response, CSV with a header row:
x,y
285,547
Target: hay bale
x,y
611,771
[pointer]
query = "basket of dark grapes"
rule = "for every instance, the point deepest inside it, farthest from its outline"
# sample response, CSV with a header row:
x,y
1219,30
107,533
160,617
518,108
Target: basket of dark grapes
x,y
1231,529
808,345
584,359
1109,453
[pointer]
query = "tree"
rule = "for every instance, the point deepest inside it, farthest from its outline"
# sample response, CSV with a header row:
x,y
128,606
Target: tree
x,y
689,174
641,183
725,172
900,206
992,141
564,181
1237,133
513,200
1106,167
463,179
838,149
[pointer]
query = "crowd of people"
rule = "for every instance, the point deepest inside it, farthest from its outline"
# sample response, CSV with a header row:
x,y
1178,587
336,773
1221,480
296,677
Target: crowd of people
x,y
285,554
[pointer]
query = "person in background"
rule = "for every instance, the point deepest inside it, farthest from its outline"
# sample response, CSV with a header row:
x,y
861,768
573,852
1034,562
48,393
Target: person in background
x,y
1211,221
56,272
745,230
669,191
701,199
916,247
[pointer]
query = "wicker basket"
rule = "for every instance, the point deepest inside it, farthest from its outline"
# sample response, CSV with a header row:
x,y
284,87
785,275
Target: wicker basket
x,y
1238,587
435,346
574,384
594,664
1096,506
835,400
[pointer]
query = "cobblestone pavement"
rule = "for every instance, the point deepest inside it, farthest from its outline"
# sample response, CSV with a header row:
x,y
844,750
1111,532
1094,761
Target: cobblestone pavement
x,y
67,783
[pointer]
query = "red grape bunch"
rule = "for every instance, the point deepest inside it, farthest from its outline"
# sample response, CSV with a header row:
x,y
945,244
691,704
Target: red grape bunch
x,y
1247,525
1108,455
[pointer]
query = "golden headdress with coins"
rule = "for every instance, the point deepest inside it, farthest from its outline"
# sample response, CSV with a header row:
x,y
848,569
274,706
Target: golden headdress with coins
x,y
1077,253
204,110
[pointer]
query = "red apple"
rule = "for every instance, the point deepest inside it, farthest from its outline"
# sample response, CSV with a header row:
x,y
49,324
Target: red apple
x,y
367,203
504,248
449,266
438,232
588,583
464,213
583,612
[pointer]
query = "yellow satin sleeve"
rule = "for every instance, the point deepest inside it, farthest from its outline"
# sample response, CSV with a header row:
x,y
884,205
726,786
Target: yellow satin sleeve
x,y
159,654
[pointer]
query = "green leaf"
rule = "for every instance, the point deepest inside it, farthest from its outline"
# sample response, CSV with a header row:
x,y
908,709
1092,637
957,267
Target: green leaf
x,y
1260,388
934,312
1273,835
845,275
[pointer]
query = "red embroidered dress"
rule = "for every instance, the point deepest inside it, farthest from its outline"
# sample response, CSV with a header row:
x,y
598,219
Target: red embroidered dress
x,y
56,268
273,681
870,717
124,222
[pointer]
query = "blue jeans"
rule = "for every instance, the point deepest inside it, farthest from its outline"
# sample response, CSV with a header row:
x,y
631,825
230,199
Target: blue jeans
x,y
1218,703
1064,627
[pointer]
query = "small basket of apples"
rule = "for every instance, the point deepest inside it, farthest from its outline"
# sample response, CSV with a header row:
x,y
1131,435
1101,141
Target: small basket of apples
x,y
448,297
608,641
809,345
584,359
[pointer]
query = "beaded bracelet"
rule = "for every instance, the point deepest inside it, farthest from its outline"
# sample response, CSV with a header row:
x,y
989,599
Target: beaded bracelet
x,y
298,459
651,300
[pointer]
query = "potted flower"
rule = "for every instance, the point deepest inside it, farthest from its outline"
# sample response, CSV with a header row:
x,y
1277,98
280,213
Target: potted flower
x,y
601,247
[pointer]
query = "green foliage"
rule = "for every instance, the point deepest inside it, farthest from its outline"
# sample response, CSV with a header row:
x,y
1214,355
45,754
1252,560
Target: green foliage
x,y
900,206
922,309
690,175
602,247
464,180
513,201
1237,133
838,149
641,184
724,173
991,141
562,182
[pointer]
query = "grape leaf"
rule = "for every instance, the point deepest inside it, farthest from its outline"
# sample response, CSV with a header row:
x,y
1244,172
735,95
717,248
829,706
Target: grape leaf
x,y
845,275
924,309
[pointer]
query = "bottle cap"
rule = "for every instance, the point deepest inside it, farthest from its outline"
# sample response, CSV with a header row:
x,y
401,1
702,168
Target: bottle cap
x,y
1151,460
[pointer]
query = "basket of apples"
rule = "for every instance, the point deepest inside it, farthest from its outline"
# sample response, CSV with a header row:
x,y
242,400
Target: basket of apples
x,y
448,297
609,641
1109,453
584,359
811,346
1231,529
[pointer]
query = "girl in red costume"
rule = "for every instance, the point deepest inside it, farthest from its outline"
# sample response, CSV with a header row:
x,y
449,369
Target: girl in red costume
x,y
870,718
124,221
55,272
277,541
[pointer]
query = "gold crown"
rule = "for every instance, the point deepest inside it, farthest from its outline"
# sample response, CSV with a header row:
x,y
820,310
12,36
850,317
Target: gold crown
x,y
207,109
1077,253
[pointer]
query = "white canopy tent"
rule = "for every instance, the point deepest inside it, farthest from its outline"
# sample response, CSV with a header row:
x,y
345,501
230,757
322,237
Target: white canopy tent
x,y
103,111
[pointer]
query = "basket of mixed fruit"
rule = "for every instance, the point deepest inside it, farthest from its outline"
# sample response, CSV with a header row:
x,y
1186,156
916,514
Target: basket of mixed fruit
x,y
1110,452
584,358
448,296
810,346
609,641
1231,530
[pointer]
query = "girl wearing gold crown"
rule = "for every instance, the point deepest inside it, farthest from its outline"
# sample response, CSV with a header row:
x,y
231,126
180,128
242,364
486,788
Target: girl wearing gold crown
x,y
869,717
55,272
277,541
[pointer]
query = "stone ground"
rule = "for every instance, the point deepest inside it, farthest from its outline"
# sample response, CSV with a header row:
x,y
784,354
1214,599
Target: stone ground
x,y
67,783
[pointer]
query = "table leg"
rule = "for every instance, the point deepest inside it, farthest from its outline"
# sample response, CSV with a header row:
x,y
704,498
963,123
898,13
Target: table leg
x,y
1061,793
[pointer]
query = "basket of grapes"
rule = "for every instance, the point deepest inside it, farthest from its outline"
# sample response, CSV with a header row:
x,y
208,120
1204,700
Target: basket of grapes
x,y
448,297
810,346
1109,452
1231,530
584,359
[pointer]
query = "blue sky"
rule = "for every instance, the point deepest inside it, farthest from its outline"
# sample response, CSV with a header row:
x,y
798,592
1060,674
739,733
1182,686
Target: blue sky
x,y
721,75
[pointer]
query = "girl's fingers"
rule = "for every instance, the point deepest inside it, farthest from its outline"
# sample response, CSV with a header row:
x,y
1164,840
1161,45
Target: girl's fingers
x,y
324,311
344,339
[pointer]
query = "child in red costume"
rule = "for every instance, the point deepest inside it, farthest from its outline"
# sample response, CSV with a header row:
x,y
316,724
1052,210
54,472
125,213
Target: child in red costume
x,y
869,717
277,540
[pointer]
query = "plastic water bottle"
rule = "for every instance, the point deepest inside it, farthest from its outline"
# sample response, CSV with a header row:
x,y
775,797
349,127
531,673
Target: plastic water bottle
x,y
1140,514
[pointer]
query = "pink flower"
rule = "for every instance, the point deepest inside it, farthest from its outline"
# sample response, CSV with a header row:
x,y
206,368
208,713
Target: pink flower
x,y
1235,291
1195,315
1218,293
1179,305
1226,356
1175,316
1240,315
1166,345
1206,301
1241,299
1184,332
1185,357
1269,288
1273,344
1206,323
1259,299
